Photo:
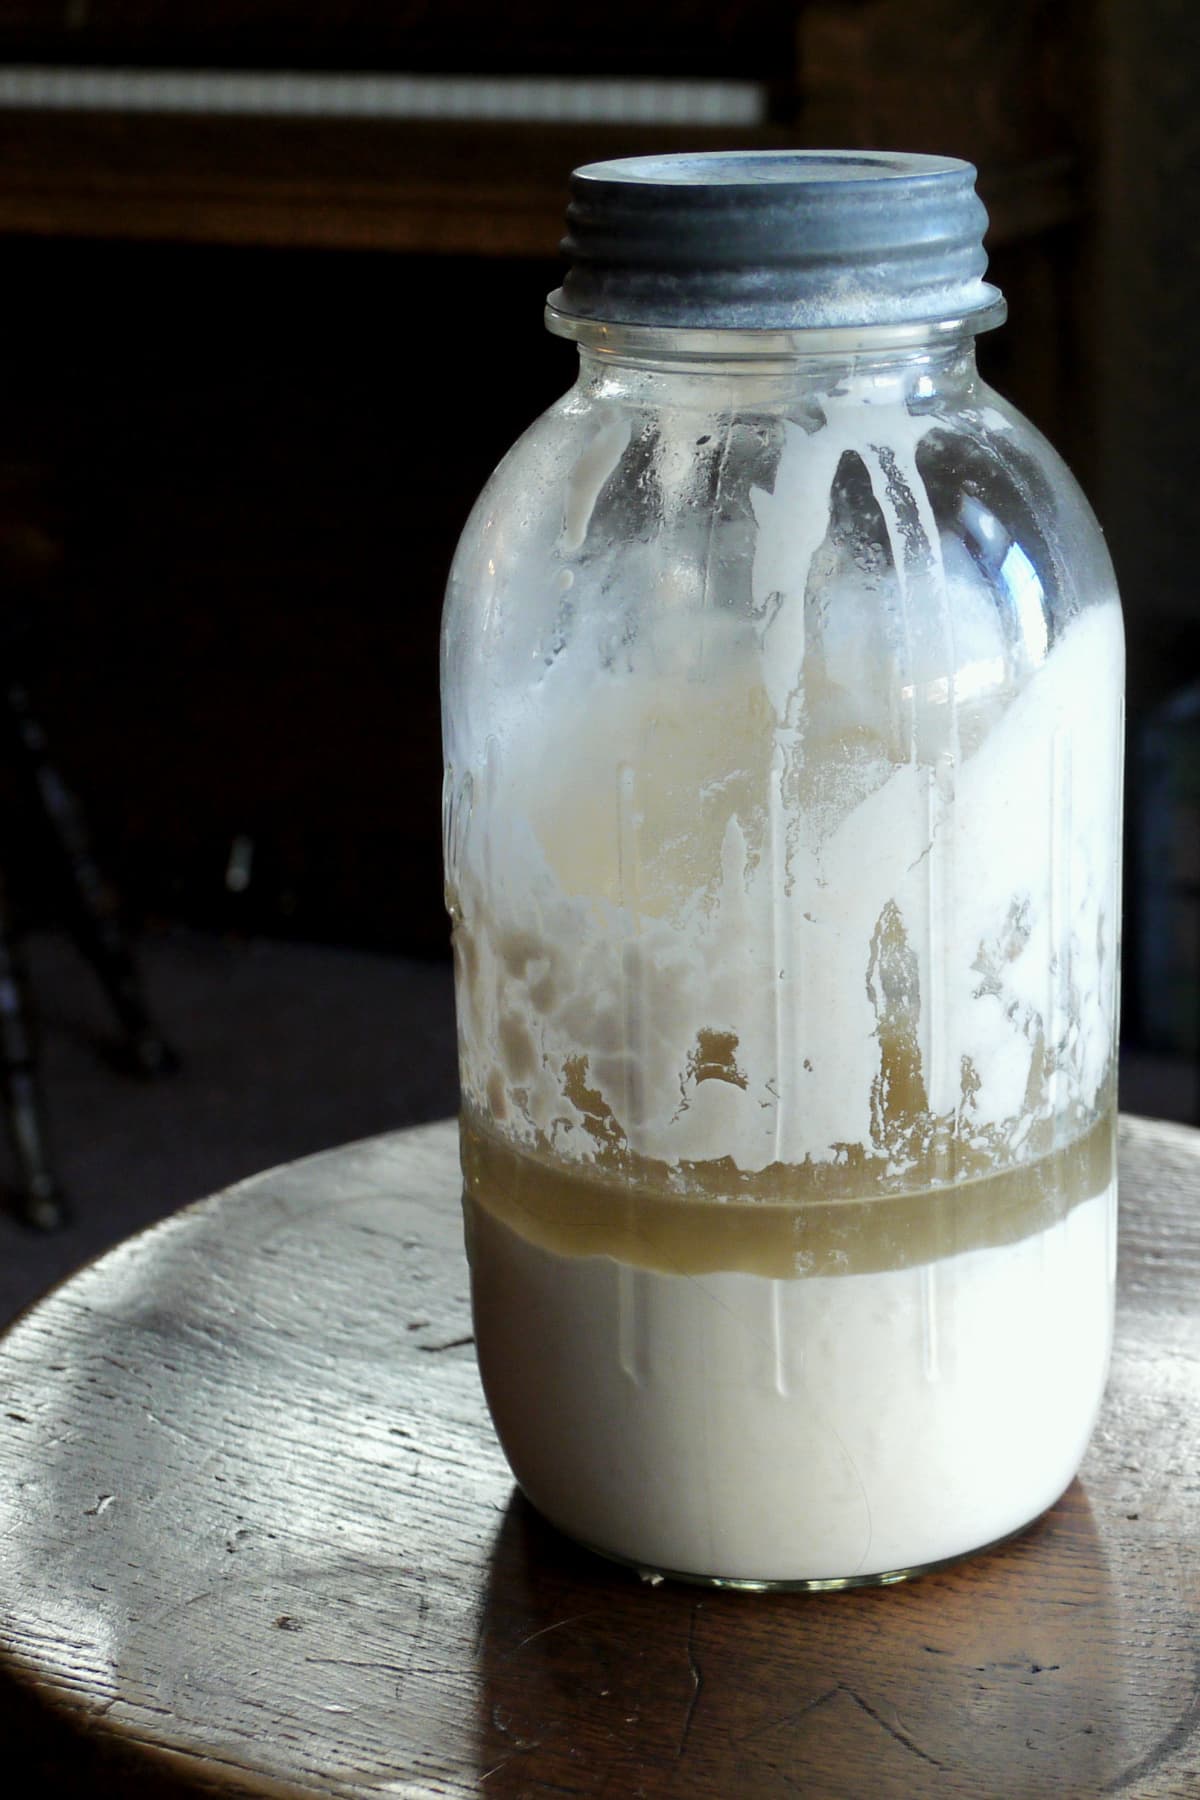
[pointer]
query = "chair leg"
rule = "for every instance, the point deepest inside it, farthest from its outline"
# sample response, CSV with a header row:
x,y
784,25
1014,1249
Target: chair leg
x,y
40,1200
94,922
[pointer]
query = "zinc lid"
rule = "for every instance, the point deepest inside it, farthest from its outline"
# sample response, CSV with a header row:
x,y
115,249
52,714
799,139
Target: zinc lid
x,y
775,240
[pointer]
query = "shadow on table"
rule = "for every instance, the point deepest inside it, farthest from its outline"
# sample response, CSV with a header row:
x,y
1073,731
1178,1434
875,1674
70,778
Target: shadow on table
x,y
1015,1672
57,1758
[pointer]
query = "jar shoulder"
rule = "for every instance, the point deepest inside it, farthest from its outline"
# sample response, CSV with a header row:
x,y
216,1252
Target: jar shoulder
x,y
618,521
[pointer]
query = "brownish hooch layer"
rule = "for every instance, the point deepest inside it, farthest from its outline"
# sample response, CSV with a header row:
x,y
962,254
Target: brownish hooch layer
x,y
781,1223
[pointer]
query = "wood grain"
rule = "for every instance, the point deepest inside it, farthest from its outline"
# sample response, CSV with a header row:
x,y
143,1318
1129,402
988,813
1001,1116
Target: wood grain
x,y
406,185
444,188
256,1538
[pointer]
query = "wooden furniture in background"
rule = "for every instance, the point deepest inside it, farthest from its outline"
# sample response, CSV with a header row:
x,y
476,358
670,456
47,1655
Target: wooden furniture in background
x,y
93,912
259,1540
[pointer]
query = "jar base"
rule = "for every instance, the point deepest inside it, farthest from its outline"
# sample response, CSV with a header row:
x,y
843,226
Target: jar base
x,y
828,1584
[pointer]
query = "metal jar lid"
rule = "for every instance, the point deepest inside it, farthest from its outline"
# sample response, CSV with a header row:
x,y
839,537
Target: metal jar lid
x,y
775,240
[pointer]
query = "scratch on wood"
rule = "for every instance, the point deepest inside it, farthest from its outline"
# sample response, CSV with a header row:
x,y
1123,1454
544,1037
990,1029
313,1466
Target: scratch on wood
x,y
557,1626
496,1767
893,1731
697,1681
347,1662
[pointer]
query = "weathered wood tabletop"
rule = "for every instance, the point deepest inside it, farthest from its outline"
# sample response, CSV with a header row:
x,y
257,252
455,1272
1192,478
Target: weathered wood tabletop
x,y
256,1538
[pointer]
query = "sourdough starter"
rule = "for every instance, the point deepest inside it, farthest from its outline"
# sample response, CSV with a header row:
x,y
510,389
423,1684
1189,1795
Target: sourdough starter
x,y
787,1142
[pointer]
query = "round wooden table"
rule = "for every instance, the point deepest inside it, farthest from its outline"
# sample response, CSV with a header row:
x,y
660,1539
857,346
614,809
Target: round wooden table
x,y
257,1539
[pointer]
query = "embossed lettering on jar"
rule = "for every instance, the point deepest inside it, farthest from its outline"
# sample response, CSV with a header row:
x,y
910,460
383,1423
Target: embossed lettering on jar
x,y
782,676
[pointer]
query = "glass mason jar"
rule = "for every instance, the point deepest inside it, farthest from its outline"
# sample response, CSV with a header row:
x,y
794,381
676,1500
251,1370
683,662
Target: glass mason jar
x,y
782,670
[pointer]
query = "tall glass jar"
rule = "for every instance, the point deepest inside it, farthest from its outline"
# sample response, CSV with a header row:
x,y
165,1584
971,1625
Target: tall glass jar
x,y
782,707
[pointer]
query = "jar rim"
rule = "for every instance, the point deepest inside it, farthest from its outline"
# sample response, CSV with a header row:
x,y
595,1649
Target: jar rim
x,y
688,343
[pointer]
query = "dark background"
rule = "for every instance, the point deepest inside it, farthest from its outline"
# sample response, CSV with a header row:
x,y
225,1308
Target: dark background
x,y
256,372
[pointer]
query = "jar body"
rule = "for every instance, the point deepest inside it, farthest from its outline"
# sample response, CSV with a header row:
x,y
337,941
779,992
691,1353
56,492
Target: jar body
x,y
782,712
